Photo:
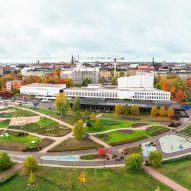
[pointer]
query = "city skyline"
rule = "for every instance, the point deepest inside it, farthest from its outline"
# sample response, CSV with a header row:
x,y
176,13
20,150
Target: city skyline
x,y
54,30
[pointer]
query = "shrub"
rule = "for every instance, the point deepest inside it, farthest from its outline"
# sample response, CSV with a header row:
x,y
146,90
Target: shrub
x,y
182,158
155,158
5,161
133,162
31,178
155,130
30,164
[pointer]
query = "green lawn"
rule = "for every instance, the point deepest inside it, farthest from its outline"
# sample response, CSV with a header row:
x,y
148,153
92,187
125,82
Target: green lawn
x,y
110,124
4,124
60,179
186,131
71,144
178,171
117,137
17,113
44,126
120,137
22,139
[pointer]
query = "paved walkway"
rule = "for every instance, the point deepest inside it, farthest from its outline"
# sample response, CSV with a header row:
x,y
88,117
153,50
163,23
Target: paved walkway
x,y
165,180
98,141
10,171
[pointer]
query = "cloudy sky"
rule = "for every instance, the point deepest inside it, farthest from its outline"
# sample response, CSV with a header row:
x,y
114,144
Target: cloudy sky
x,y
53,30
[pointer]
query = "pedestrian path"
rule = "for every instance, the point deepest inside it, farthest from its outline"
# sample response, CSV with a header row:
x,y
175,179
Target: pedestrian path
x,y
165,180
11,171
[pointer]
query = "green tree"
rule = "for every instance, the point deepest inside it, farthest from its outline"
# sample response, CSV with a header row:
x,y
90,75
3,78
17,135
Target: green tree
x,y
86,82
154,111
62,104
126,110
162,111
118,109
121,74
77,116
86,116
30,164
155,158
114,81
79,130
5,161
76,105
31,178
133,162
135,110
93,116
97,123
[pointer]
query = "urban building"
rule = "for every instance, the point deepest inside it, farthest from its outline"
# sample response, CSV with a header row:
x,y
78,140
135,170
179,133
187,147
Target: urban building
x,y
41,90
13,84
80,73
137,87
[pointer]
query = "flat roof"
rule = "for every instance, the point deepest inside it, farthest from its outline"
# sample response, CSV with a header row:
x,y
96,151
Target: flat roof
x,y
45,85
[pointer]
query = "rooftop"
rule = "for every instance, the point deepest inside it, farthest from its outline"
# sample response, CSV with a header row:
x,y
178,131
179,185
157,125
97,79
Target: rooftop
x,y
45,85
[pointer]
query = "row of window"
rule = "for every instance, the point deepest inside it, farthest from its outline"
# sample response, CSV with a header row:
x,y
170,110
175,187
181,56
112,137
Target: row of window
x,y
92,94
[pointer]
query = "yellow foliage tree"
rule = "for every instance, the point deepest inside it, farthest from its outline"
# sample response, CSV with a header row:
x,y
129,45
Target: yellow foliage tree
x,y
162,111
154,111
170,111
119,109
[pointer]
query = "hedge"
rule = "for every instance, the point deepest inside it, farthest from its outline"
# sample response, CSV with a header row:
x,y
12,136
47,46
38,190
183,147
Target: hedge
x,y
182,158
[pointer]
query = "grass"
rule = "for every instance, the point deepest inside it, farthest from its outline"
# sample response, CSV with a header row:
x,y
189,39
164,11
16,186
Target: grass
x,y
128,136
117,137
60,179
44,126
5,123
179,171
186,131
67,118
155,130
110,124
71,144
16,113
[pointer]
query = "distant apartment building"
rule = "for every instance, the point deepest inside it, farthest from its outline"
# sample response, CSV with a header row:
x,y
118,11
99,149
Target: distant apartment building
x,y
13,84
79,73
36,71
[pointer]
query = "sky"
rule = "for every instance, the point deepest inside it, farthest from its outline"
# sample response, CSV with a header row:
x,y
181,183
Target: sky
x,y
53,30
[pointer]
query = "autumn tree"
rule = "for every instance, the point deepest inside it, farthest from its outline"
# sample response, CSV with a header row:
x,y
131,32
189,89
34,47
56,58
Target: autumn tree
x,y
76,104
180,96
77,116
69,82
79,130
30,164
93,116
118,109
162,111
154,111
97,124
62,104
126,109
170,111
135,110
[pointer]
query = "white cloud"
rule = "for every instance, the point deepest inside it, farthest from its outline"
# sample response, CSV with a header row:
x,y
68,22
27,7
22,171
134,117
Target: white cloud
x,y
53,30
